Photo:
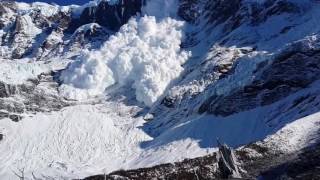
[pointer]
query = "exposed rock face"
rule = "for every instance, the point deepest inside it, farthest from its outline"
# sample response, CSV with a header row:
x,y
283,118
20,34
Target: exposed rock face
x,y
189,10
90,34
30,97
284,70
238,65
217,65
35,34
229,18
111,16
305,166
199,168
266,165
6,90
237,12
291,71
28,34
227,162
233,13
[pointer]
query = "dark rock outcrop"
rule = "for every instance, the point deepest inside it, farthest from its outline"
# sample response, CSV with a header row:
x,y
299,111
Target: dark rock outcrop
x,y
269,164
199,168
236,11
7,90
189,10
228,165
111,16
289,72
305,166
30,97
52,35
90,34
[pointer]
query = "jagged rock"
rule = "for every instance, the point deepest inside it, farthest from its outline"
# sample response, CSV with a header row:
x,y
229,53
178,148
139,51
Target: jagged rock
x,y
13,117
111,16
236,11
7,90
219,11
289,72
189,169
189,10
227,162
305,166
29,97
268,164
274,164
90,34
33,34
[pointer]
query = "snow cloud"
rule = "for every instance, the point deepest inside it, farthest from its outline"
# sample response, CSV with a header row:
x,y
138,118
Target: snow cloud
x,y
161,8
144,54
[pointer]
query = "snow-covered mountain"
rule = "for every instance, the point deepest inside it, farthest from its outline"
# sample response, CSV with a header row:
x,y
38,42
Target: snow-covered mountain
x,y
125,84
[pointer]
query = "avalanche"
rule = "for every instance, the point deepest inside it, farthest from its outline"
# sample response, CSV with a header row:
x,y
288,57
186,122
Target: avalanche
x,y
141,63
144,54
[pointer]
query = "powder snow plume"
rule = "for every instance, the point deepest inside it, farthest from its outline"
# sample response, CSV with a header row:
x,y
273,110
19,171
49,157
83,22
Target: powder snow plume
x,y
145,53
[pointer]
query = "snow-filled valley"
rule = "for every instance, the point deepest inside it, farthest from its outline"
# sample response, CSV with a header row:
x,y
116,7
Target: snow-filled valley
x,y
111,85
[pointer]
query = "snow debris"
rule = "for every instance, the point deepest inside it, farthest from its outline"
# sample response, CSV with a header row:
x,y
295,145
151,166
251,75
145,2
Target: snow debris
x,y
145,54
89,76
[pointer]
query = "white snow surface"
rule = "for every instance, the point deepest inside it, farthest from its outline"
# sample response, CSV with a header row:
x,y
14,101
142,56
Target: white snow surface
x,y
45,9
13,72
87,77
144,53
76,142
87,27
28,27
90,139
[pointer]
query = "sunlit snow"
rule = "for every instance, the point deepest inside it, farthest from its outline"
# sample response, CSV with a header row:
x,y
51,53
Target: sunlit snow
x,y
144,53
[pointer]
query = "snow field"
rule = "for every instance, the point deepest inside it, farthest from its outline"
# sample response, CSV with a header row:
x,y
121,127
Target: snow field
x,y
84,140
75,142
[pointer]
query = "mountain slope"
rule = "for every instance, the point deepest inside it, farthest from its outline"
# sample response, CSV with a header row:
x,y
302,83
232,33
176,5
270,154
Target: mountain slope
x,y
112,85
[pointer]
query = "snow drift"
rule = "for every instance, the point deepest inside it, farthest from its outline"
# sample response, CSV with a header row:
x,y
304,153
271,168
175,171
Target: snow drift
x,y
144,54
